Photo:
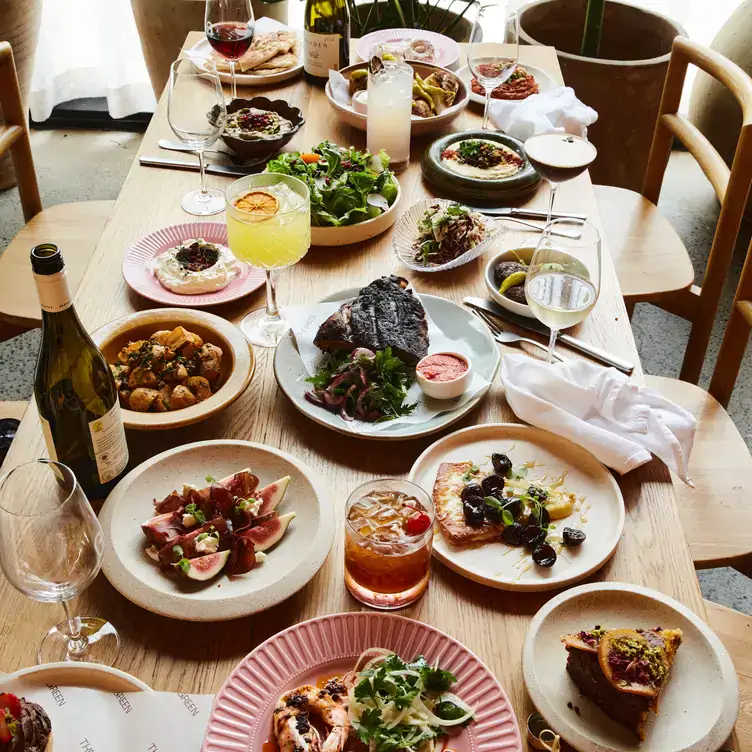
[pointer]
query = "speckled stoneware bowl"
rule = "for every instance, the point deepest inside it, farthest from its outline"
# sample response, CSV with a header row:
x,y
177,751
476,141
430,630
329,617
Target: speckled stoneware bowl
x,y
523,253
237,367
288,566
474,190
698,706
263,147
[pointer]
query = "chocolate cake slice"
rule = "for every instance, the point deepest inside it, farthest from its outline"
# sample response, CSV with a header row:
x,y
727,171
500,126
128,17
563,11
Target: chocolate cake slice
x,y
623,671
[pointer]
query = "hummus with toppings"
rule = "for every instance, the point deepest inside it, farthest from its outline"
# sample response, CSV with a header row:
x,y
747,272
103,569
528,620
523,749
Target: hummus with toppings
x,y
195,267
252,124
482,159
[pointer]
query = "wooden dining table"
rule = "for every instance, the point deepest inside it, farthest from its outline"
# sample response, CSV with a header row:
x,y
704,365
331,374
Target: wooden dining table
x,y
197,657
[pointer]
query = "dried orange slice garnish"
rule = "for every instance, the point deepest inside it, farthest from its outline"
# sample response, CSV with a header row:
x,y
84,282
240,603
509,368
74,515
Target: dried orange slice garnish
x,y
258,202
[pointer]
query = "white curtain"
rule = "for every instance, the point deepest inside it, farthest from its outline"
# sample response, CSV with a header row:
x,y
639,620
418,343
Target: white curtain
x,y
89,48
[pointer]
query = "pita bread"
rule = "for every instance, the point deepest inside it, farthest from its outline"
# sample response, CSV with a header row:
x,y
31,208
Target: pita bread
x,y
278,63
269,53
255,57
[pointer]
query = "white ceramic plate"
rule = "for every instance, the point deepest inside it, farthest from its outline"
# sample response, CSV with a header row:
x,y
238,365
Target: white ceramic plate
x,y
288,567
526,254
447,50
84,675
202,50
544,80
505,567
347,234
698,706
454,320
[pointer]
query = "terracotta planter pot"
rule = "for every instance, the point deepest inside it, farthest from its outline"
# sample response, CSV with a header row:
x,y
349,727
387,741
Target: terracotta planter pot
x,y
389,20
19,25
164,24
624,85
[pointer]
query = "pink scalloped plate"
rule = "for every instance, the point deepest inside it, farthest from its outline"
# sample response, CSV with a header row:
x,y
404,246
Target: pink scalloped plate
x,y
142,280
241,719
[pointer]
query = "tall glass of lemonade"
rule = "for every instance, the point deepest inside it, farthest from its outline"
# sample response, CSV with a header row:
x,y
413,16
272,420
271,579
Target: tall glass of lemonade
x,y
268,226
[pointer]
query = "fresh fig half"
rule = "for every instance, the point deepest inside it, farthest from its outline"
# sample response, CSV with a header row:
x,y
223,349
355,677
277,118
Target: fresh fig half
x,y
203,568
271,495
266,535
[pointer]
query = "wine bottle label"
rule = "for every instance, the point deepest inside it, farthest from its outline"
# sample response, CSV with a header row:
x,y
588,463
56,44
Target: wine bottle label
x,y
53,292
110,446
47,433
321,53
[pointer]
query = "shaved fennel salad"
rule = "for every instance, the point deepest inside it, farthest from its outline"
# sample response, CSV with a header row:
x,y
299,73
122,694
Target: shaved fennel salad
x,y
394,705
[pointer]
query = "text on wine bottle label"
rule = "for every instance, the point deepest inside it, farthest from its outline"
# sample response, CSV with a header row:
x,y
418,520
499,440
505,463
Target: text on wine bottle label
x,y
321,53
110,447
53,292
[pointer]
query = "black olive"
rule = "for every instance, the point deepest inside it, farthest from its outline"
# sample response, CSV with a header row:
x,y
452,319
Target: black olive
x,y
544,556
533,536
573,537
513,534
514,507
536,492
493,485
474,513
471,489
541,516
493,512
501,464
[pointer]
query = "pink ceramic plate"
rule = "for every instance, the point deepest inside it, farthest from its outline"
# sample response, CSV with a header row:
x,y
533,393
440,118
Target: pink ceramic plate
x,y
447,50
241,718
142,280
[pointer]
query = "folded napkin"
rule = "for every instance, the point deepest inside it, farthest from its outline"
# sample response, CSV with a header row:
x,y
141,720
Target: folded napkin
x,y
557,110
600,409
340,87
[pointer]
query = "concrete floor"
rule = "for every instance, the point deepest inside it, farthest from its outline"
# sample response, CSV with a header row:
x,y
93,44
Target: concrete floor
x,y
76,166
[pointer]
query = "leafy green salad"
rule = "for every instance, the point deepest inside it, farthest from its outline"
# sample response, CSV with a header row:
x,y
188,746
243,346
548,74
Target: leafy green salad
x,y
347,186
394,705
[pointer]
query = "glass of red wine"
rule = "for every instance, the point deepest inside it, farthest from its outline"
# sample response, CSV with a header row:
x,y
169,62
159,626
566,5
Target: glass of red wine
x,y
229,28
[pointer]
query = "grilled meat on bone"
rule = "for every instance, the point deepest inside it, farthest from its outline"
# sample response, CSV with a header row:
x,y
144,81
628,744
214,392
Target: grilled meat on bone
x,y
385,314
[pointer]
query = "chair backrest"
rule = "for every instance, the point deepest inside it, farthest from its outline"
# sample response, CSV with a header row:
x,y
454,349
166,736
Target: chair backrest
x,y
14,134
730,185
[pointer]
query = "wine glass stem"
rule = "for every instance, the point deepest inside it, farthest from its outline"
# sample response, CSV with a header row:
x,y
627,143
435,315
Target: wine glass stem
x,y
232,75
271,298
551,197
551,345
77,643
489,89
203,174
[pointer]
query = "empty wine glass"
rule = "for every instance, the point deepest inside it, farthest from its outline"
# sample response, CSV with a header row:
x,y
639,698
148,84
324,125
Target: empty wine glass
x,y
51,549
494,48
196,113
229,28
564,277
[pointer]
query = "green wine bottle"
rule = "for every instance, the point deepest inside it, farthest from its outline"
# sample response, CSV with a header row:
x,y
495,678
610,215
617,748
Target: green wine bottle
x,y
326,39
73,386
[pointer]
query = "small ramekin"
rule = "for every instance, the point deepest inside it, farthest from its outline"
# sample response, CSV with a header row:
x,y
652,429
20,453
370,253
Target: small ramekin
x,y
445,389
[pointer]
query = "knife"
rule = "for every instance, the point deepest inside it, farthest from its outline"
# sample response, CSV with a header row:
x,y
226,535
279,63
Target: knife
x,y
211,169
525,213
534,325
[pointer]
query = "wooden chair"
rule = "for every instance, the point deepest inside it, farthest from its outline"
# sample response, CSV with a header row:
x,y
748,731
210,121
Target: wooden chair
x,y
651,261
717,514
735,631
76,228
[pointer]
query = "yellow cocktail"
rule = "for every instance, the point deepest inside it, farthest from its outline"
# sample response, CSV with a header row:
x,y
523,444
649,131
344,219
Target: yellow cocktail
x,y
268,226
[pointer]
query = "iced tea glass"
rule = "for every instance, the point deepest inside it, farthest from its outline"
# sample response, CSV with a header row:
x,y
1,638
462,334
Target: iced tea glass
x,y
388,541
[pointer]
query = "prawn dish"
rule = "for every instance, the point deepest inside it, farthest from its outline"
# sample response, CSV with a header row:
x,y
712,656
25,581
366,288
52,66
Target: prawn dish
x,y
383,704
168,371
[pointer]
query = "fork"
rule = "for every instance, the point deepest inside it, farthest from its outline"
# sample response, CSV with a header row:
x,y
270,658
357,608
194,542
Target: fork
x,y
508,338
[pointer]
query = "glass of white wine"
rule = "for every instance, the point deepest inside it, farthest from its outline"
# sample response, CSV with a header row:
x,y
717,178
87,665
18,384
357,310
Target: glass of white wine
x,y
564,277
51,549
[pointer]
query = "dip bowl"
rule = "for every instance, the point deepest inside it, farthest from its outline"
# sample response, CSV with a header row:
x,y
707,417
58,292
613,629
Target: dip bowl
x,y
263,147
444,390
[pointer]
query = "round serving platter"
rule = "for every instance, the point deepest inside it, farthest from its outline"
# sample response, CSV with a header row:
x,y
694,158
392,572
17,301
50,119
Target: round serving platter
x,y
454,320
510,568
476,190
447,50
82,675
305,653
698,706
289,565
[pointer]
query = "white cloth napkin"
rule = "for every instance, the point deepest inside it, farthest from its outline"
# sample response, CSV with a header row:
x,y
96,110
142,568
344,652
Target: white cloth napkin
x,y
600,409
340,87
556,110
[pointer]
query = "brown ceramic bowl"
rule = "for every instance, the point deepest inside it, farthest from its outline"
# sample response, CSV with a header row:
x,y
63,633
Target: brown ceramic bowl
x,y
238,361
263,147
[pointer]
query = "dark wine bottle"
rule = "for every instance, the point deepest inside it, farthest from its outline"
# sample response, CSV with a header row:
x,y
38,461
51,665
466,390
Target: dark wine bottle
x,y
326,39
73,386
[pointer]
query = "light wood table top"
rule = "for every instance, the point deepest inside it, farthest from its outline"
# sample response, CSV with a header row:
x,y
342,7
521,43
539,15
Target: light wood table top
x,y
189,657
